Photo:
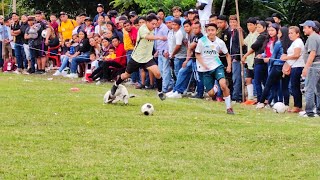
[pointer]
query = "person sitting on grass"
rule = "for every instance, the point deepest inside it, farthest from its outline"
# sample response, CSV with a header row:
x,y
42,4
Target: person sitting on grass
x,y
210,66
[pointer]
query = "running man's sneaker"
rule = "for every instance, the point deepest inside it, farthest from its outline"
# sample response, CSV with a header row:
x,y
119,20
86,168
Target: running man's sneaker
x,y
162,96
230,111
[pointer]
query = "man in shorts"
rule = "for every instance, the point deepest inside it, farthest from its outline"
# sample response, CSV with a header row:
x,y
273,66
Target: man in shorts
x,y
210,66
142,55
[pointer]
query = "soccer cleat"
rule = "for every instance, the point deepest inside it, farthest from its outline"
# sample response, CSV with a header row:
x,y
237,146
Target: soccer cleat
x,y
230,111
162,96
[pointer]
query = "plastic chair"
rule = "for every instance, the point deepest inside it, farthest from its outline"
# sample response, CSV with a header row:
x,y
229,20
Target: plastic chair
x,y
56,56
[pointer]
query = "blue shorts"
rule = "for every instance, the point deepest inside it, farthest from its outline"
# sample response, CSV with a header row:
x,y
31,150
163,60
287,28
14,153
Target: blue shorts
x,y
210,77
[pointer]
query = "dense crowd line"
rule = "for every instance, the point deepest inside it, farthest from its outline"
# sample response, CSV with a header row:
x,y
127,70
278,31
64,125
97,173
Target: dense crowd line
x,y
190,51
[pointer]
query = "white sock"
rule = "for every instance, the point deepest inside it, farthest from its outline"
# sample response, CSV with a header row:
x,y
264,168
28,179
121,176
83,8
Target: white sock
x,y
227,100
215,89
250,91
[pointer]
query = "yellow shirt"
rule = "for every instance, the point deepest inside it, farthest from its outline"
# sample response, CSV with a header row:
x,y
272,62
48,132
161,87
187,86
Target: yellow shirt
x,y
111,56
66,28
143,50
248,41
128,45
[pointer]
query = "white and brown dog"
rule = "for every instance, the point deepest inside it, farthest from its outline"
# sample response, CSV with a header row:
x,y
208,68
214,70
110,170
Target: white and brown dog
x,y
120,95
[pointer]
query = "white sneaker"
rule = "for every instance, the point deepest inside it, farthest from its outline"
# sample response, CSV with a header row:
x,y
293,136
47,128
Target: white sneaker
x,y
57,73
72,75
304,114
260,106
175,95
301,113
169,93
18,71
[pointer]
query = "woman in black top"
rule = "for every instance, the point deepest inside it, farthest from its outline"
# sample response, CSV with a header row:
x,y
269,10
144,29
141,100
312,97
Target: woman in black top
x,y
82,55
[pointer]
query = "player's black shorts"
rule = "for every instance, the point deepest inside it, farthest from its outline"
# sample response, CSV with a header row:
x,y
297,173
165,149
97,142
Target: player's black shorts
x,y
249,73
134,66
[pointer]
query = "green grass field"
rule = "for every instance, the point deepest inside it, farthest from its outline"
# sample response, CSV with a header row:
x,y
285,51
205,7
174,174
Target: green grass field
x,y
47,131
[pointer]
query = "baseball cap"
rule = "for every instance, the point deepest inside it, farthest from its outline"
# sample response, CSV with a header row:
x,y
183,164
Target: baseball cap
x,y
177,21
100,5
87,19
132,13
62,13
191,11
168,19
309,23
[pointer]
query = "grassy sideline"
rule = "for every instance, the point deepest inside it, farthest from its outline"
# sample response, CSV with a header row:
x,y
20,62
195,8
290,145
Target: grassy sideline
x,y
47,131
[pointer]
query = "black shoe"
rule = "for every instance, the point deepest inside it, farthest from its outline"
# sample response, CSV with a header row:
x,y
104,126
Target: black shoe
x,y
162,96
39,72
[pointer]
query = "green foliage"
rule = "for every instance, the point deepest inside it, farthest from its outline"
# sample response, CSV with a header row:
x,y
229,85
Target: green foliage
x,y
294,11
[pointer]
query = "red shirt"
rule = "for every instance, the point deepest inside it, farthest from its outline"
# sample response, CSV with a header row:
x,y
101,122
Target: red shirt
x,y
121,55
55,26
133,35
269,47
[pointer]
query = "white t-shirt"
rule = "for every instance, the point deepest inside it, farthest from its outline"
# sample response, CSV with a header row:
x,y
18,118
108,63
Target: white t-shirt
x,y
98,27
205,14
298,43
170,41
180,39
210,53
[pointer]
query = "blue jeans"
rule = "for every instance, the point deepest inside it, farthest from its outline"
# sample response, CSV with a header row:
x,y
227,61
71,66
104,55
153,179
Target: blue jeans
x,y
295,86
274,77
260,77
64,63
199,79
19,53
165,71
79,59
135,76
33,59
237,81
313,89
1,60
183,78
177,65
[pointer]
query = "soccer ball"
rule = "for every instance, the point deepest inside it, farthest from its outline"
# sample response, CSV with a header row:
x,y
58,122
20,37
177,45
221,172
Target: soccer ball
x,y
147,109
44,33
279,107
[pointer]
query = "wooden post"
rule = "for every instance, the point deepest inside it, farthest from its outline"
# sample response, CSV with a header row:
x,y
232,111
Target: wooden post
x,y
241,53
223,6
14,6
